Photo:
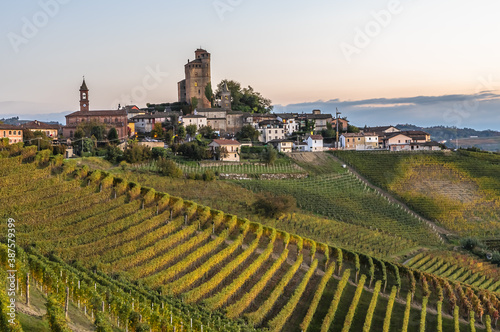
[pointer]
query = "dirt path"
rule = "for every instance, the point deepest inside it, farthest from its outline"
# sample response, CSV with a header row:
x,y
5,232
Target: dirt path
x,y
391,198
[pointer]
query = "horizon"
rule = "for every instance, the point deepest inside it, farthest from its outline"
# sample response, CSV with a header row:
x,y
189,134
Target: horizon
x,y
372,60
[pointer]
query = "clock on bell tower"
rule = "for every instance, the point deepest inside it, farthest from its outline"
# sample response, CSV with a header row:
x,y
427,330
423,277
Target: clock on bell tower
x,y
84,96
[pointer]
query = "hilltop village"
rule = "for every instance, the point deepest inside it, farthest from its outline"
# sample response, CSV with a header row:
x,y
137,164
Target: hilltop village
x,y
200,113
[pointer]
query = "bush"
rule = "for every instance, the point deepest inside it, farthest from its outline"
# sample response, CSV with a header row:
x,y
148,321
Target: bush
x,y
209,175
113,154
469,243
158,153
136,153
271,205
169,168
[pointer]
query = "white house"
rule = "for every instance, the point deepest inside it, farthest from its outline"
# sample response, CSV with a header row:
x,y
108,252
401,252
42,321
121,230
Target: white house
x,y
270,130
194,119
314,143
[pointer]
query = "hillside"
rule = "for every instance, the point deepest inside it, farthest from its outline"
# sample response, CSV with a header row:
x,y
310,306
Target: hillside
x,y
458,190
165,252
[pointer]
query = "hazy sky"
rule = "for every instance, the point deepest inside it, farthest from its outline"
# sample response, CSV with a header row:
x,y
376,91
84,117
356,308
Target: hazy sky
x,y
293,52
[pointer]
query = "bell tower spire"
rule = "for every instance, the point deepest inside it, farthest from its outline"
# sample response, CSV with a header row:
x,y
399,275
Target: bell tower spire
x,y
84,96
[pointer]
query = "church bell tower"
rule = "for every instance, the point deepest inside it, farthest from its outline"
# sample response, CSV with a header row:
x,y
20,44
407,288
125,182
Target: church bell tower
x,y
84,97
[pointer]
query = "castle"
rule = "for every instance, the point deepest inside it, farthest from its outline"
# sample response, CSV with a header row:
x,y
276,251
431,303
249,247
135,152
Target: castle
x,y
197,78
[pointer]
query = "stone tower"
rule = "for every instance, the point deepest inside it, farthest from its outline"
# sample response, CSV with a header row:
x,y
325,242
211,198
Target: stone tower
x,y
225,97
84,97
197,77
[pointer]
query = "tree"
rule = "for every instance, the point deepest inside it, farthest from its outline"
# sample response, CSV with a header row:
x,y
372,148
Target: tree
x,y
194,150
209,93
329,131
181,133
79,133
112,135
113,154
169,137
248,132
136,153
270,155
168,168
271,205
194,103
352,129
246,99
206,131
157,130
158,153
191,130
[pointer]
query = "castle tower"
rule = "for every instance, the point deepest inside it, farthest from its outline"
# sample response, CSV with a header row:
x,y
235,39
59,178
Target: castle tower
x,y
198,76
84,97
225,97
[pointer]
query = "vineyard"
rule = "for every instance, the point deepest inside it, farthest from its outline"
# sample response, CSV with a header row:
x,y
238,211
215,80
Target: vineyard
x,y
459,267
137,259
460,191
344,198
229,168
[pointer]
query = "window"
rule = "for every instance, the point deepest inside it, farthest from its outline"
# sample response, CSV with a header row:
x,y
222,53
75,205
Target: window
x,y
359,139
10,132
71,133
4,133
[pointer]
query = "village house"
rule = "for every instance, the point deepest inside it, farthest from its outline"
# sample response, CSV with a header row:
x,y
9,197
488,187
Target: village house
x,y
194,119
225,149
13,133
314,143
282,145
50,130
133,110
146,122
270,130
359,141
397,142
290,124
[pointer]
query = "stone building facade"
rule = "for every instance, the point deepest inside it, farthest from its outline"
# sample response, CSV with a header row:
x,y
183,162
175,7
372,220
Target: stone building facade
x,y
197,77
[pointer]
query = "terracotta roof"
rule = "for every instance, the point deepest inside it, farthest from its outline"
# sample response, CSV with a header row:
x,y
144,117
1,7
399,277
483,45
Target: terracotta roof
x,y
391,135
226,142
39,125
316,137
414,132
9,127
378,129
99,113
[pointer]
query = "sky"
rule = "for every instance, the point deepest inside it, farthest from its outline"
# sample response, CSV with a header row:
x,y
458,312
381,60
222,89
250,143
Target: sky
x,y
379,62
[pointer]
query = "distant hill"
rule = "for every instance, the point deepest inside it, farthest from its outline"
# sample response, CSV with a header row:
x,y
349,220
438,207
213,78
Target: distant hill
x,y
441,133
